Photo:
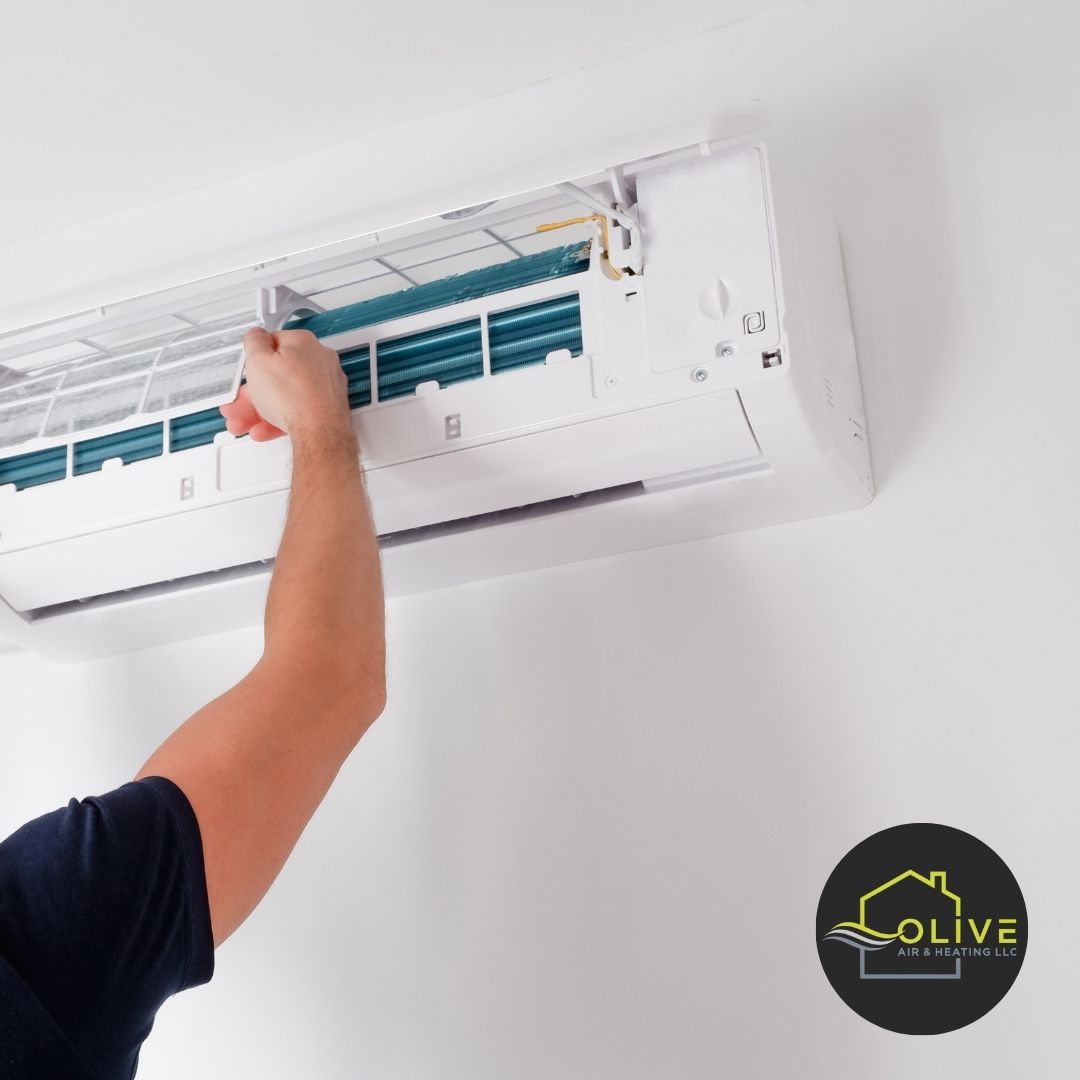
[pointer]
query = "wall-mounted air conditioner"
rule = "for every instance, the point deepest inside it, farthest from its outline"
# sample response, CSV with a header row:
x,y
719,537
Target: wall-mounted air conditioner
x,y
651,353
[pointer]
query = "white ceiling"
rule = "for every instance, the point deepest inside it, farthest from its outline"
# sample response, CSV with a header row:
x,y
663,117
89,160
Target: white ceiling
x,y
113,107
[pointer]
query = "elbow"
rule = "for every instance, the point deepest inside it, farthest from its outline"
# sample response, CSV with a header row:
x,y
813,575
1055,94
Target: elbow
x,y
361,691
356,698
369,698
351,689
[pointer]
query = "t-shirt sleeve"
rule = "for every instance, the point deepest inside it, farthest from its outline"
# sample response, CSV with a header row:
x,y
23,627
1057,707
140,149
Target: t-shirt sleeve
x,y
104,913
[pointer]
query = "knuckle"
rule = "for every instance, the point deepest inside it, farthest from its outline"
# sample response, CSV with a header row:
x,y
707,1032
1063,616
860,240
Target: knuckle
x,y
296,337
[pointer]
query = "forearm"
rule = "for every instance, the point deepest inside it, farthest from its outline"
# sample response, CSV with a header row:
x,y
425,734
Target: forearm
x,y
256,762
324,612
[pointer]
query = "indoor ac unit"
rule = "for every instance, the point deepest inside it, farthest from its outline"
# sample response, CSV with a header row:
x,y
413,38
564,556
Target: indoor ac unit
x,y
651,353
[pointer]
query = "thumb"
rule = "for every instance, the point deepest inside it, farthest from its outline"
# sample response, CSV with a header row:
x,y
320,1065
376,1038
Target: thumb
x,y
258,341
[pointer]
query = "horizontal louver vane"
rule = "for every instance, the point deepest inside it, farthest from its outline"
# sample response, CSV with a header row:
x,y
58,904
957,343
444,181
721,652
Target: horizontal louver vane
x,y
134,445
526,335
447,354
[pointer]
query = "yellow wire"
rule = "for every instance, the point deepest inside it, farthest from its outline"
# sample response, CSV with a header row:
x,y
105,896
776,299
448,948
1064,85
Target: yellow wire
x,y
582,221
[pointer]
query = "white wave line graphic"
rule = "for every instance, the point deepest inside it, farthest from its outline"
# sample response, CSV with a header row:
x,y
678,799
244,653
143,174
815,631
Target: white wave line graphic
x,y
865,938
857,941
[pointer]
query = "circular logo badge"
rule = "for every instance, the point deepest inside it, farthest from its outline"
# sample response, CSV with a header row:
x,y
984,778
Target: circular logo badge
x,y
921,929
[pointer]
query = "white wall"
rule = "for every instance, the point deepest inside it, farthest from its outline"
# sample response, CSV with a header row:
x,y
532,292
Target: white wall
x,y
588,837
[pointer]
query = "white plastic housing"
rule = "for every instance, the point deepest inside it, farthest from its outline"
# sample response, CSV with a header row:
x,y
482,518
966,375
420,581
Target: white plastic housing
x,y
718,391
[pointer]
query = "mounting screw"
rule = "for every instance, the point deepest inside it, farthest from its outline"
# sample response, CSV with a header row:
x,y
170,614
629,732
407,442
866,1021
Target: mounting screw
x,y
611,382
727,350
699,374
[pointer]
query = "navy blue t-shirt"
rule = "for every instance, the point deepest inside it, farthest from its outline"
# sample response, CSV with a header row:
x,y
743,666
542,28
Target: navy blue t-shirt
x,y
103,916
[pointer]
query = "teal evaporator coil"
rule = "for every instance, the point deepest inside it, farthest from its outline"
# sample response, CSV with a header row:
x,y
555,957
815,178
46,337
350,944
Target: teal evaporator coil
x,y
526,335
458,289
447,355
517,338
356,363
195,429
39,467
134,445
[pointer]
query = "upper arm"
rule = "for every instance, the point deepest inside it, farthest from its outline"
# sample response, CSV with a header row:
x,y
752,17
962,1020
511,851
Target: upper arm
x,y
255,763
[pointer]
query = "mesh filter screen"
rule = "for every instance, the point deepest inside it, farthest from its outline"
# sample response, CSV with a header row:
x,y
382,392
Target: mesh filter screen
x,y
200,365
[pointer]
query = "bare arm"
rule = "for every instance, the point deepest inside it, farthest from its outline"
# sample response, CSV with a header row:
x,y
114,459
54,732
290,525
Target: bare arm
x,y
256,762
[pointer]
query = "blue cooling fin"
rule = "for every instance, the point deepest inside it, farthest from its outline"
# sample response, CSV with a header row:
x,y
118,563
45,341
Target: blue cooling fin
x,y
447,354
133,445
525,335
29,470
195,429
356,363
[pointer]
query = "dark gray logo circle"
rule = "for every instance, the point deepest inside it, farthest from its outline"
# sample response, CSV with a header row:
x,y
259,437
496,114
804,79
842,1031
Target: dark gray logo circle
x,y
921,929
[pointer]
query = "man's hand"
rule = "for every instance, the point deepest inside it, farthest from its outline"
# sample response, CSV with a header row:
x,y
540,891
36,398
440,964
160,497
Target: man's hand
x,y
293,382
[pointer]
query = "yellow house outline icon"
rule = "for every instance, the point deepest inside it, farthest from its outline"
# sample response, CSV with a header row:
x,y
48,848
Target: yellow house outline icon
x,y
936,881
